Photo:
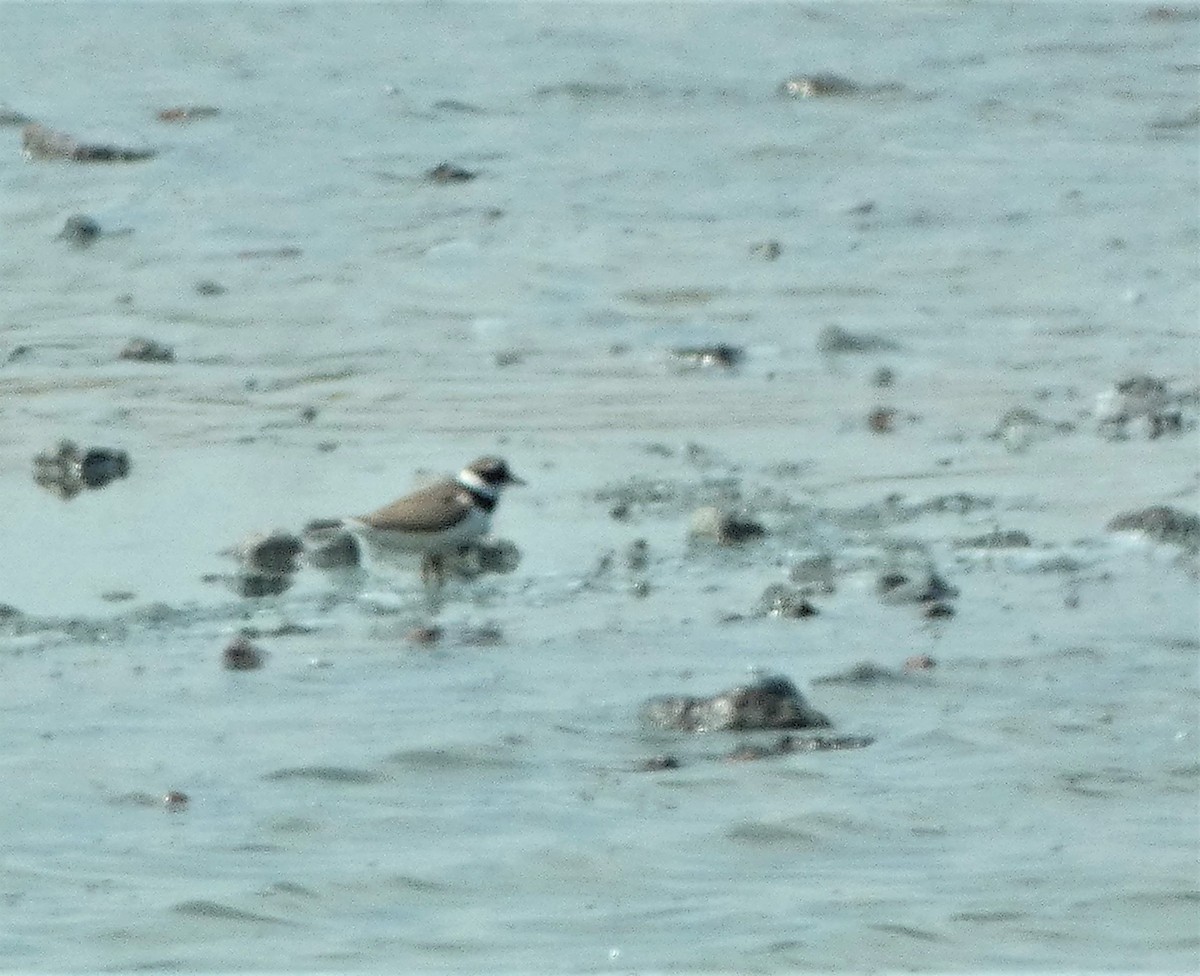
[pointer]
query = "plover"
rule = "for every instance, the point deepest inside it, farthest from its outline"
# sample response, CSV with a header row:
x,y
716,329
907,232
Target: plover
x,y
438,519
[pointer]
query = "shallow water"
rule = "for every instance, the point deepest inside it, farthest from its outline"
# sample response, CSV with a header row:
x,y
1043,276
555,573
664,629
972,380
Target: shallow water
x,y
1018,216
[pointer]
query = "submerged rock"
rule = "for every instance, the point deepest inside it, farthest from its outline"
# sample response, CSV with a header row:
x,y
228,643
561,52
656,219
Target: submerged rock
x,y
40,142
771,702
68,470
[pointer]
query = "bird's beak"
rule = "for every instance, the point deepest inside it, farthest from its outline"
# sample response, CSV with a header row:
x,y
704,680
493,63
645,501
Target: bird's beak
x,y
514,480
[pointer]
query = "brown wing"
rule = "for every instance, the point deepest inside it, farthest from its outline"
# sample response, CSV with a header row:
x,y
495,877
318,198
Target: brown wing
x,y
431,509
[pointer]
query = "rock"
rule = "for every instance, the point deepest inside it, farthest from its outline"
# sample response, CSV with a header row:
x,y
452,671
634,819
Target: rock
x,y
723,528
272,554
175,801
924,586
67,471
241,655
637,556
771,702
778,600
883,378
1145,400
866,673
997,539
822,85
147,351
936,610
187,113
40,142
256,585
425,636
814,573
79,230
449,173
835,339
787,744
267,564
721,355
11,117
1162,524
327,545
767,250
657,764
881,420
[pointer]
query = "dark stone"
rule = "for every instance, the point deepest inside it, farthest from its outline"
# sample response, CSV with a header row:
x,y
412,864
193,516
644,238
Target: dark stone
x,y
187,113
271,555
721,355
1162,524
241,655
254,585
147,351
449,173
39,142
175,801
821,85
778,600
329,546
835,339
897,587
68,470
657,764
79,230
772,702
722,527
767,250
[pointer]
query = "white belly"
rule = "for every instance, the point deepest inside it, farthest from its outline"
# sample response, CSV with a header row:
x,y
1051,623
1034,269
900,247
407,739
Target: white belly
x,y
382,543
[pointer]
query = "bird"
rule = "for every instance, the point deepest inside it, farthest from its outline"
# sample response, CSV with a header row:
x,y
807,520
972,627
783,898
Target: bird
x,y
439,519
